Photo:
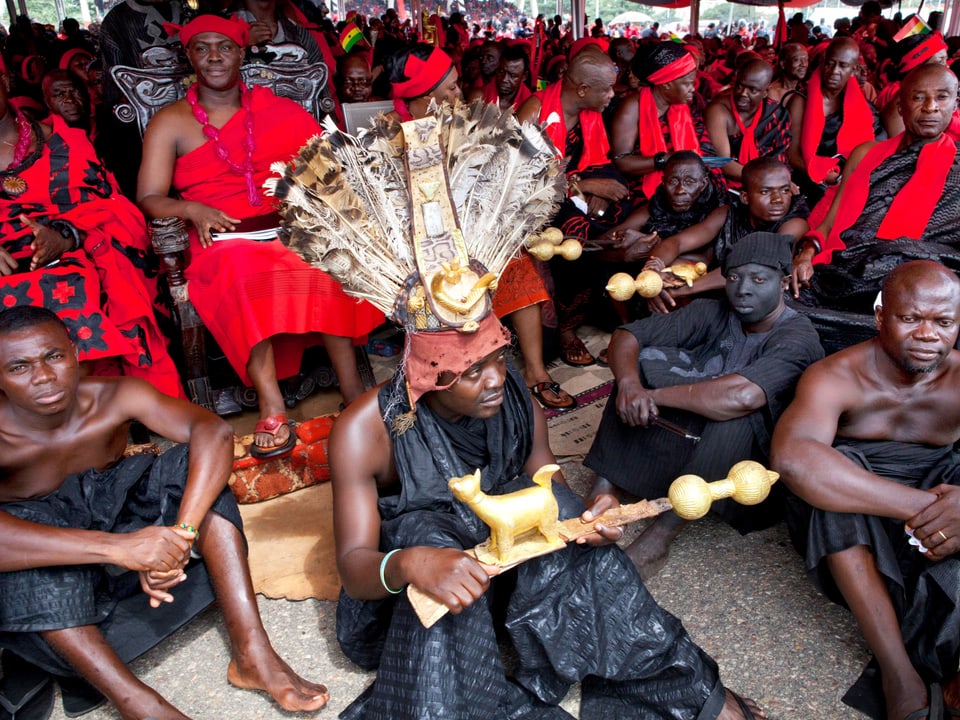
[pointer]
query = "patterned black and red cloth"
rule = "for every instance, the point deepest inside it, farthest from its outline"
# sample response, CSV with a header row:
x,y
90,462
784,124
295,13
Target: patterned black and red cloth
x,y
106,290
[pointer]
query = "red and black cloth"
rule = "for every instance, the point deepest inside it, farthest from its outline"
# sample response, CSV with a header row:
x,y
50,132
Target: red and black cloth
x,y
105,291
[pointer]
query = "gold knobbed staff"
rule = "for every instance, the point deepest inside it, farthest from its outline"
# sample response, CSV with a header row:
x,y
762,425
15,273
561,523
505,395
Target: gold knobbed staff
x,y
531,517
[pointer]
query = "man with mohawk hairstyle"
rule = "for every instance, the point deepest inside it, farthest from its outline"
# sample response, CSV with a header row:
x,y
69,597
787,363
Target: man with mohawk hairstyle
x,y
455,404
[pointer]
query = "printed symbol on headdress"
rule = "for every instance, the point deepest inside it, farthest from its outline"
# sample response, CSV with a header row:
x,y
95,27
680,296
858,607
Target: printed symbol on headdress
x,y
428,190
433,219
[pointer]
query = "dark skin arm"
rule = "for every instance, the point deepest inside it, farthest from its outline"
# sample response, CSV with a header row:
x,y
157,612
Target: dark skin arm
x,y
796,107
162,145
158,553
360,457
803,260
802,452
724,398
624,137
720,124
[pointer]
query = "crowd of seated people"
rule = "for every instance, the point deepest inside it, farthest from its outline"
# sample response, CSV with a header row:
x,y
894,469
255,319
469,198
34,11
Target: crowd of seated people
x,y
835,160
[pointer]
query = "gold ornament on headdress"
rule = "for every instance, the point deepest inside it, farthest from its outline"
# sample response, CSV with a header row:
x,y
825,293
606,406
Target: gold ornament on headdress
x,y
421,218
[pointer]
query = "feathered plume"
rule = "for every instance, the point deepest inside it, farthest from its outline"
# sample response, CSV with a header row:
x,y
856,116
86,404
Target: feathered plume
x,y
346,201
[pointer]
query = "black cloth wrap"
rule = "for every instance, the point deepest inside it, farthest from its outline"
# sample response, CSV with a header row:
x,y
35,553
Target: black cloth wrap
x,y
739,224
925,594
702,341
579,614
666,222
137,492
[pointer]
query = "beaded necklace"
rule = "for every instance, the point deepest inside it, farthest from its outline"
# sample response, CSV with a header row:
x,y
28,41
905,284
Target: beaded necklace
x,y
211,133
12,184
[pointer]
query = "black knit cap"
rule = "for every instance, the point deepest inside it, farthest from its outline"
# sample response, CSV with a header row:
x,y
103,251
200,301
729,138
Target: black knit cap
x,y
763,248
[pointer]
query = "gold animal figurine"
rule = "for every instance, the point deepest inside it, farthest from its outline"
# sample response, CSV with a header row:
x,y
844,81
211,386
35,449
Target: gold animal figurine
x,y
690,496
649,283
511,516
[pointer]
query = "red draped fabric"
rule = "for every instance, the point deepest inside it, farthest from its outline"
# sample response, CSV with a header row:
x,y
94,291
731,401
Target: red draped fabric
x,y
596,147
650,139
910,211
857,126
104,292
247,291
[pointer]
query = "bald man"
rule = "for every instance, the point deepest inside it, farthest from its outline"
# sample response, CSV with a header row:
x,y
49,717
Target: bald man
x,y
867,446
745,124
900,198
792,65
571,110
830,121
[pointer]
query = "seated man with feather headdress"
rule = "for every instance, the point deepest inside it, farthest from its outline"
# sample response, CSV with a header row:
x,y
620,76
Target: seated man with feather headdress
x,y
262,304
453,405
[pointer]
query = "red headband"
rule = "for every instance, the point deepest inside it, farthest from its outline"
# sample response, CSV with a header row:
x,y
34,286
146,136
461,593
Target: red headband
x,y
585,42
923,52
670,72
428,354
424,75
233,28
69,55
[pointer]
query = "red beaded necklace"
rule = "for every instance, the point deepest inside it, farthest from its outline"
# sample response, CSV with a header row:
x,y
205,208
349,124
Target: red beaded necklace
x,y
210,132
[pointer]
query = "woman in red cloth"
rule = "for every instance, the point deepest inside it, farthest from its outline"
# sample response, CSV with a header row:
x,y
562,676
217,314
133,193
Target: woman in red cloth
x,y
260,301
657,120
73,244
420,75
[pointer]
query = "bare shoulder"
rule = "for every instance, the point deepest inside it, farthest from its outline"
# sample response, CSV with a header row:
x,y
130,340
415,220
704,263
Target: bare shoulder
x,y
530,110
168,119
359,441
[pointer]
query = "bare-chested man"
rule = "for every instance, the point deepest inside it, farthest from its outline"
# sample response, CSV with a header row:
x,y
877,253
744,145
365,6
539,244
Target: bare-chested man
x,y
69,506
791,71
869,443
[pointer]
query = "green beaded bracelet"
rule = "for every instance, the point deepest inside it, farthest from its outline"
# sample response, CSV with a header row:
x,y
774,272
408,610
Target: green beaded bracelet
x,y
383,567
190,529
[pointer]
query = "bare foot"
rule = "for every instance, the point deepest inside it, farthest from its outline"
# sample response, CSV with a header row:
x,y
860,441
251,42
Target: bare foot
x,y
651,550
904,694
276,678
733,708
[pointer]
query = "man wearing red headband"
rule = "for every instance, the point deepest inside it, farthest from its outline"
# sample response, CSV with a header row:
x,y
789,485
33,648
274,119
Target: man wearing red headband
x,y
657,119
830,121
215,148
745,124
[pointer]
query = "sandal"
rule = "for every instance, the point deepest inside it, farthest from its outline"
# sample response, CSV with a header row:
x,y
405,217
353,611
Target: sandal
x,y
564,401
575,353
602,358
271,426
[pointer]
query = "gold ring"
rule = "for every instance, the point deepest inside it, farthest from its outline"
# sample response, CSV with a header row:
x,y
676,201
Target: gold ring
x,y
940,533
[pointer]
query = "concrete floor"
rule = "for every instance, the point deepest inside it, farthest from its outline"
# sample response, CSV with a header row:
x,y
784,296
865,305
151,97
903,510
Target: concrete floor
x,y
745,599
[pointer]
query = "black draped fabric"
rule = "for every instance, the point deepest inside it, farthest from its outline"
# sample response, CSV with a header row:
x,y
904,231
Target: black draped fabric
x,y
925,594
137,492
701,341
666,222
578,615
772,134
738,224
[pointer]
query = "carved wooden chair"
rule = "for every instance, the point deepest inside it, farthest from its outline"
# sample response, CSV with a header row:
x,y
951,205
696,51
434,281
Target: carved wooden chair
x,y
163,80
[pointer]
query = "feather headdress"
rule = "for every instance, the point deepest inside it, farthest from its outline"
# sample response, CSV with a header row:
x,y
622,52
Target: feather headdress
x,y
421,218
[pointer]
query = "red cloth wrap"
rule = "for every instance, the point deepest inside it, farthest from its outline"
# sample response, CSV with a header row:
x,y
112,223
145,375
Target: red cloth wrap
x,y
857,126
596,147
683,135
911,209
234,28
922,52
245,291
521,285
428,354
490,94
748,145
424,75
67,182
672,71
